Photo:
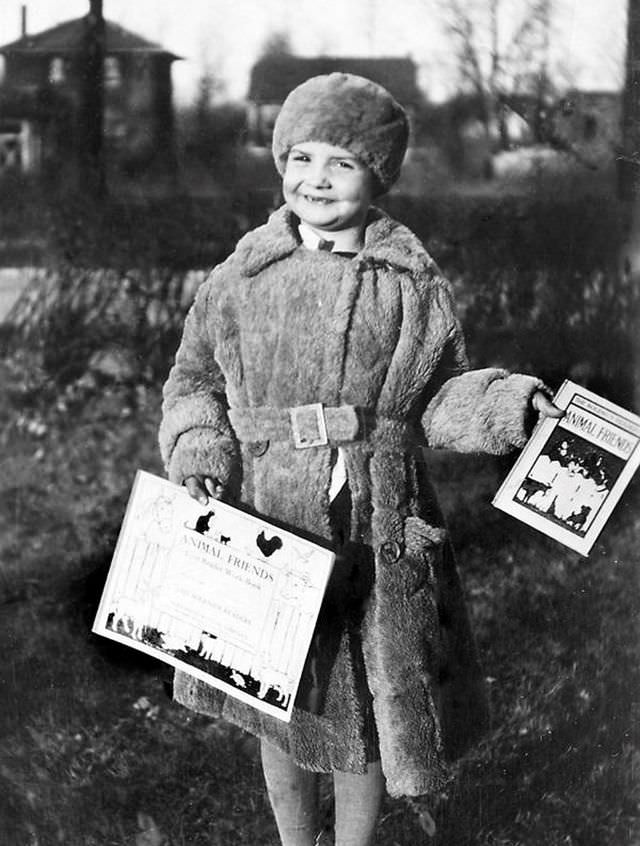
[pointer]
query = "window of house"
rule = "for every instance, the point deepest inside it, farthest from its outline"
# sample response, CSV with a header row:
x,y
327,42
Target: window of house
x,y
112,72
10,146
57,70
590,127
141,66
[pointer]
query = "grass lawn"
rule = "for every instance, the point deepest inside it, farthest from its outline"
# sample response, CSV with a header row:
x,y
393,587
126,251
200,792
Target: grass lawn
x,y
94,753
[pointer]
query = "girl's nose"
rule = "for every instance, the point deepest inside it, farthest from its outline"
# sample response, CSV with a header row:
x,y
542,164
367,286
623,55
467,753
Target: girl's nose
x,y
319,176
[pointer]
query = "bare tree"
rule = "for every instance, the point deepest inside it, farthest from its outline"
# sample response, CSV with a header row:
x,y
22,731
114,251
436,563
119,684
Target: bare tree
x,y
500,56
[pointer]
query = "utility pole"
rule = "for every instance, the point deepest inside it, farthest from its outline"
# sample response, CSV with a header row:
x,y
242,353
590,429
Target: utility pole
x,y
92,108
629,163
629,181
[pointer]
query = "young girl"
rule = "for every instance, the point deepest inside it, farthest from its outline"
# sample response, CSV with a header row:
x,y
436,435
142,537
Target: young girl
x,y
334,306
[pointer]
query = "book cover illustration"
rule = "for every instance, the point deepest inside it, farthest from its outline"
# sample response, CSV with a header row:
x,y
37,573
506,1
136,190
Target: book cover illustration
x,y
574,469
215,591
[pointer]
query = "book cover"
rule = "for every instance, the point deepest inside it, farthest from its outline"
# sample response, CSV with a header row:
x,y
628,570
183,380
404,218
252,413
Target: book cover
x,y
214,591
574,469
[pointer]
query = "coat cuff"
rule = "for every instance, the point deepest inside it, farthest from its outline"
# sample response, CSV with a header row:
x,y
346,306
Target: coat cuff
x,y
482,411
200,451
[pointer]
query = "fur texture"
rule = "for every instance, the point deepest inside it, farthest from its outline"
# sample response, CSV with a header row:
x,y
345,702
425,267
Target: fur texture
x,y
348,111
277,326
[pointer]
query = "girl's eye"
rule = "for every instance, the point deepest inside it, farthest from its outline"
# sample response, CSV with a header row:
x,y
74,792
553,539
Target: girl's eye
x,y
299,157
345,164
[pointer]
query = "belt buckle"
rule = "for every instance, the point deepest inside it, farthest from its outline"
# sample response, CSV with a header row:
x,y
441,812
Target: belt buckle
x,y
308,426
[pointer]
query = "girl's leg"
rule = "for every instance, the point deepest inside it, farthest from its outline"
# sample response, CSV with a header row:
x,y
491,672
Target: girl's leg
x,y
293,793
358,799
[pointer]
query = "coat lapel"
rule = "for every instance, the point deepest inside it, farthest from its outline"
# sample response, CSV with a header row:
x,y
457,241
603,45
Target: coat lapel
x,y
269,243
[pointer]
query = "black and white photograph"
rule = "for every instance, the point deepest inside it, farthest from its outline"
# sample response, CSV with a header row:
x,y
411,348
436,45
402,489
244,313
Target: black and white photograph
x,y
574,469
319,403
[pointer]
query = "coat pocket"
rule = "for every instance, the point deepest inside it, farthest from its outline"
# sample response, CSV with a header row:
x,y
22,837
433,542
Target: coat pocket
x,y
422,572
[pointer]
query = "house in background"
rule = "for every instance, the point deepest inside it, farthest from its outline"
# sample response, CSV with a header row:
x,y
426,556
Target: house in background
x,y
529,135
274,76
591,121
41,91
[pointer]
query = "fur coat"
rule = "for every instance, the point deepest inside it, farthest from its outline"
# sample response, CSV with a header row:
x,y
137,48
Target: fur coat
x,y
277,326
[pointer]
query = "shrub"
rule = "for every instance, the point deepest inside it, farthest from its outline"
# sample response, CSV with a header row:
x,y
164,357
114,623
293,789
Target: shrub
x,y
535,279
212,133
536,283
122,327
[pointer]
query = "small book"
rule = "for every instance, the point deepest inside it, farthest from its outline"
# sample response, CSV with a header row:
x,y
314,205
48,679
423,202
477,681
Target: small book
x,y
574,469
215,591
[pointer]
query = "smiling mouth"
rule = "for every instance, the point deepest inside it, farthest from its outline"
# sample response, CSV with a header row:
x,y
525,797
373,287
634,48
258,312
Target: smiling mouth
x,y
318,200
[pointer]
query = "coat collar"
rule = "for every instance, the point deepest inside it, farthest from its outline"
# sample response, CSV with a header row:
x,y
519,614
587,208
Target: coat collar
x,y
387,242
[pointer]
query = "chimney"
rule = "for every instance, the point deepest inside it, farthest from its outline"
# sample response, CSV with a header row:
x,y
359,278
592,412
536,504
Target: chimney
x,y
23,20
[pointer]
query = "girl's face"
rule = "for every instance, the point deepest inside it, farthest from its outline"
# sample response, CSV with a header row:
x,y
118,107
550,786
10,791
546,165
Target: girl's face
x,y
327,187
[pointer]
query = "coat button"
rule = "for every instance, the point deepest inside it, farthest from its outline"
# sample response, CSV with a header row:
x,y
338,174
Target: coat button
x,y
258,448
390,551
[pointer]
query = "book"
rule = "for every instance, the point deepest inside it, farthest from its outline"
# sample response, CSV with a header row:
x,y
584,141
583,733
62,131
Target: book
x,y
574,469
215,591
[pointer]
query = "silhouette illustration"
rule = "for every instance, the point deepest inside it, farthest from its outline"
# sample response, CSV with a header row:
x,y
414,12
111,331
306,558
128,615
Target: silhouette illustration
x,y
268,546
202,523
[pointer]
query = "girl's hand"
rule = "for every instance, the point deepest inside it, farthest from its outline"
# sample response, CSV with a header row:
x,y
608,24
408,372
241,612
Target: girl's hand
x,y
203,488
543,405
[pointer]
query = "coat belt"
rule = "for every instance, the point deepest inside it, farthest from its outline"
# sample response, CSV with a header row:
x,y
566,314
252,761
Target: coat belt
x,y
303,426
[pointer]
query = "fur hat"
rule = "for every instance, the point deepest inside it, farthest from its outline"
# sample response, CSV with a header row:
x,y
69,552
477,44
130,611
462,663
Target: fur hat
x,y
347,111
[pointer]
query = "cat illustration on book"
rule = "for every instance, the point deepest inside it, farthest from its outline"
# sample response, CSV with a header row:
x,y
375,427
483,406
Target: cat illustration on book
x,y
203,523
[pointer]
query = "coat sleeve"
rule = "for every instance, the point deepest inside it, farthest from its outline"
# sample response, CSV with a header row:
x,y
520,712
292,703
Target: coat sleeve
x,y
195,435
486,410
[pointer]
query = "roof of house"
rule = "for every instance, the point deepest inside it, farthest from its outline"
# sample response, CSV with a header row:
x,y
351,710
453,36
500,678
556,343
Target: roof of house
x,y
579,102
68,37
593,94
273,77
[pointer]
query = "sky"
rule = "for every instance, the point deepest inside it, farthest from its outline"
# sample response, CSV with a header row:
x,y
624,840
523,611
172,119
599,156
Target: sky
x,y
225,36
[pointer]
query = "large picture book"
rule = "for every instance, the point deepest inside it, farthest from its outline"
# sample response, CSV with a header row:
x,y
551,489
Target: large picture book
x,y
574,469
215,591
